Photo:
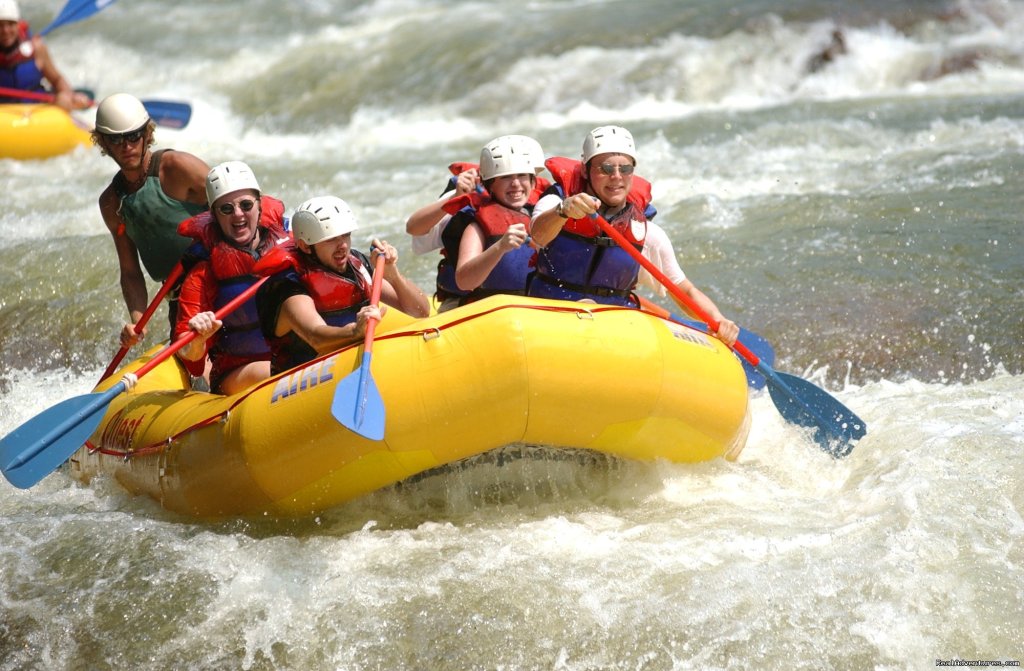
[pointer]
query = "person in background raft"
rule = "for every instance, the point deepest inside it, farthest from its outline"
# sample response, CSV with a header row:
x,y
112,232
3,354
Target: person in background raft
x,y
319,299
485,243
25,63
149,196
241,226
427,224
577,260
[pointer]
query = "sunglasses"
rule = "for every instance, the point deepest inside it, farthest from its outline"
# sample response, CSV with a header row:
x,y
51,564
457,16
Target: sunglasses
x,y
130,138
243,205
609,169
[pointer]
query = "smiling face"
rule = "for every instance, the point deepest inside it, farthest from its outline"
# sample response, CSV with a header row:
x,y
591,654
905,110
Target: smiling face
x,y
608,180
512,190
238,214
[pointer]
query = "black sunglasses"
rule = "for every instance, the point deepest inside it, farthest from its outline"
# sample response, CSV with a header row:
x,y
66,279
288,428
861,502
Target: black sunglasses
x,y
131,137
229,208
608,169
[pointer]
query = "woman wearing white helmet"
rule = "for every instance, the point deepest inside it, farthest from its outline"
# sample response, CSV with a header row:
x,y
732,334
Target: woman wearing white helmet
x,y
577,261
319,299
25,63
427,224
151,193
485,243
241,226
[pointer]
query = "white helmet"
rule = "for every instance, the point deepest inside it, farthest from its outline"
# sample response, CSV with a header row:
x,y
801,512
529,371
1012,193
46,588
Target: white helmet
x,y
120,113
227,178
323,218
531,147
9,11
504,156
609,140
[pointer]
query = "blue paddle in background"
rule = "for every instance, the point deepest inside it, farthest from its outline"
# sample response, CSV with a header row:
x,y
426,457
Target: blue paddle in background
x,y
836,427
164,112
76,10
167,113
357,403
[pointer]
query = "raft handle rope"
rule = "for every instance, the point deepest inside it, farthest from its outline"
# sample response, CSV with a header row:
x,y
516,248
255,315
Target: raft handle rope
x,y
429,333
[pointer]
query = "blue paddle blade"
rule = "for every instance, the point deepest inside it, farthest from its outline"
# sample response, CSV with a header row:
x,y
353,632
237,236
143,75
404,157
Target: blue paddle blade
x,y
39,446
357,403
76,10
168,113
836,427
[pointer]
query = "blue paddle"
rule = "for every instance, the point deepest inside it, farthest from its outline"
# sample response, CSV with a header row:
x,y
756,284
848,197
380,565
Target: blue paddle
x,y
754,342
167,113
39,446
76,10
835,426
357,403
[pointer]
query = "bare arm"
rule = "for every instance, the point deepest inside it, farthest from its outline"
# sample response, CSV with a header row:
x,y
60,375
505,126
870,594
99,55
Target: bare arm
x,y
397,291
64,95
183,177
133,283
422,220
298,313
549,222
728,331
476,263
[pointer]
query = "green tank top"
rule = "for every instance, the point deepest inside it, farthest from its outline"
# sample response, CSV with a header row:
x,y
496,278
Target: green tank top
x,y
151,220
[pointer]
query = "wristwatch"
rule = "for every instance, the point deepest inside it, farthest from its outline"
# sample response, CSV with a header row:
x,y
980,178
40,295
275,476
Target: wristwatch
x,y
560,210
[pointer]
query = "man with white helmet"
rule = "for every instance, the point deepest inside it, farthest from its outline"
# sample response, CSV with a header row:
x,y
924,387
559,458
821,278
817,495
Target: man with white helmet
x,y
319,299
427,224
25,63
149,196
241,226
485,243
577,261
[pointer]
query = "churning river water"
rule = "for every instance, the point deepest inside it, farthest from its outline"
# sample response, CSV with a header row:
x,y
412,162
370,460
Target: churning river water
x,y
842,178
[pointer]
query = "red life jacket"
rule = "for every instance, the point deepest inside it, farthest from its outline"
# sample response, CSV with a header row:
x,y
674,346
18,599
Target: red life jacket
x,y
509,275
240,340
18,69
337,298
568,174
583,262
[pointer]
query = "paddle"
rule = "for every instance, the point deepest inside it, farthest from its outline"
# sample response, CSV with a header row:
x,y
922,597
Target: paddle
x,y
39,446
144,319
357,403
761,348
75,10
800,402
167,113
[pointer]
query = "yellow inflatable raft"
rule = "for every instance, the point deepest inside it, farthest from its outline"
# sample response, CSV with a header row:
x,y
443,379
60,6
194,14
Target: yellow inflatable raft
x,y
503,371
30,131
